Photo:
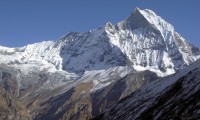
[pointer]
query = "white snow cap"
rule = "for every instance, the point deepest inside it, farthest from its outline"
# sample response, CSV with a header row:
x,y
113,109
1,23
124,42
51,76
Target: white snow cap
x,y
143,41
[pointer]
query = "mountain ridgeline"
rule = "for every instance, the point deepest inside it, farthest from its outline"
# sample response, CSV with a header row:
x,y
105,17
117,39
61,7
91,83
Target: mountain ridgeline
x,y
81,75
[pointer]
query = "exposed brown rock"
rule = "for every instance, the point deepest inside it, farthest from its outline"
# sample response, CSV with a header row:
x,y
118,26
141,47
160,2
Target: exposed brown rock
x,y
11,108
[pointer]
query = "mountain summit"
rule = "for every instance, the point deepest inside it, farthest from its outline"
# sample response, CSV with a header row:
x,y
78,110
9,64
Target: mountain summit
x,y
82,74
151,43
144,41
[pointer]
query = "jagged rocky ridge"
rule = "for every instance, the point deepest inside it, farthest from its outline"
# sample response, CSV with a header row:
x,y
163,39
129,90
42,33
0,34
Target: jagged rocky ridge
x,y
63,79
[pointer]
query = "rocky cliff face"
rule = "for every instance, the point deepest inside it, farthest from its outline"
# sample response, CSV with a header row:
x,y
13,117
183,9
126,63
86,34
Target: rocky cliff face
x,y
10,107
82,74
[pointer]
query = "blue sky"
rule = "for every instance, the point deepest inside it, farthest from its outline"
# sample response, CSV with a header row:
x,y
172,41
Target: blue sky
x,y
30,21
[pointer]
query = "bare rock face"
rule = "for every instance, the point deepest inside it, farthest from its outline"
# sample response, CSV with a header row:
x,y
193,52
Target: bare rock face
x,y
11,108
74,104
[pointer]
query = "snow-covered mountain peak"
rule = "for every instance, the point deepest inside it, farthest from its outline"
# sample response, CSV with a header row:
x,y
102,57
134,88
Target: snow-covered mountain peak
x,y
143,18
85,70
151,43
144,41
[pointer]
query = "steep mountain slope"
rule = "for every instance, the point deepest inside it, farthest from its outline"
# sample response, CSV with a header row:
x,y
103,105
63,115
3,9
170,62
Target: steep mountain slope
x,y
80,103
10,106
151,43
73,100
144,40
173,97
62,79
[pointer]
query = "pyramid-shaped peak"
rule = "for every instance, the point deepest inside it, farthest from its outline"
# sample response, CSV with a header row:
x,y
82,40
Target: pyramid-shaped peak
x,y
144,18
136,11
146,13
137,19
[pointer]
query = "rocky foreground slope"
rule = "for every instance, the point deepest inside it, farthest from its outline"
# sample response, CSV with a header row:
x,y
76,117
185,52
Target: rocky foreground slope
x,y
82,74
173,97
10,107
